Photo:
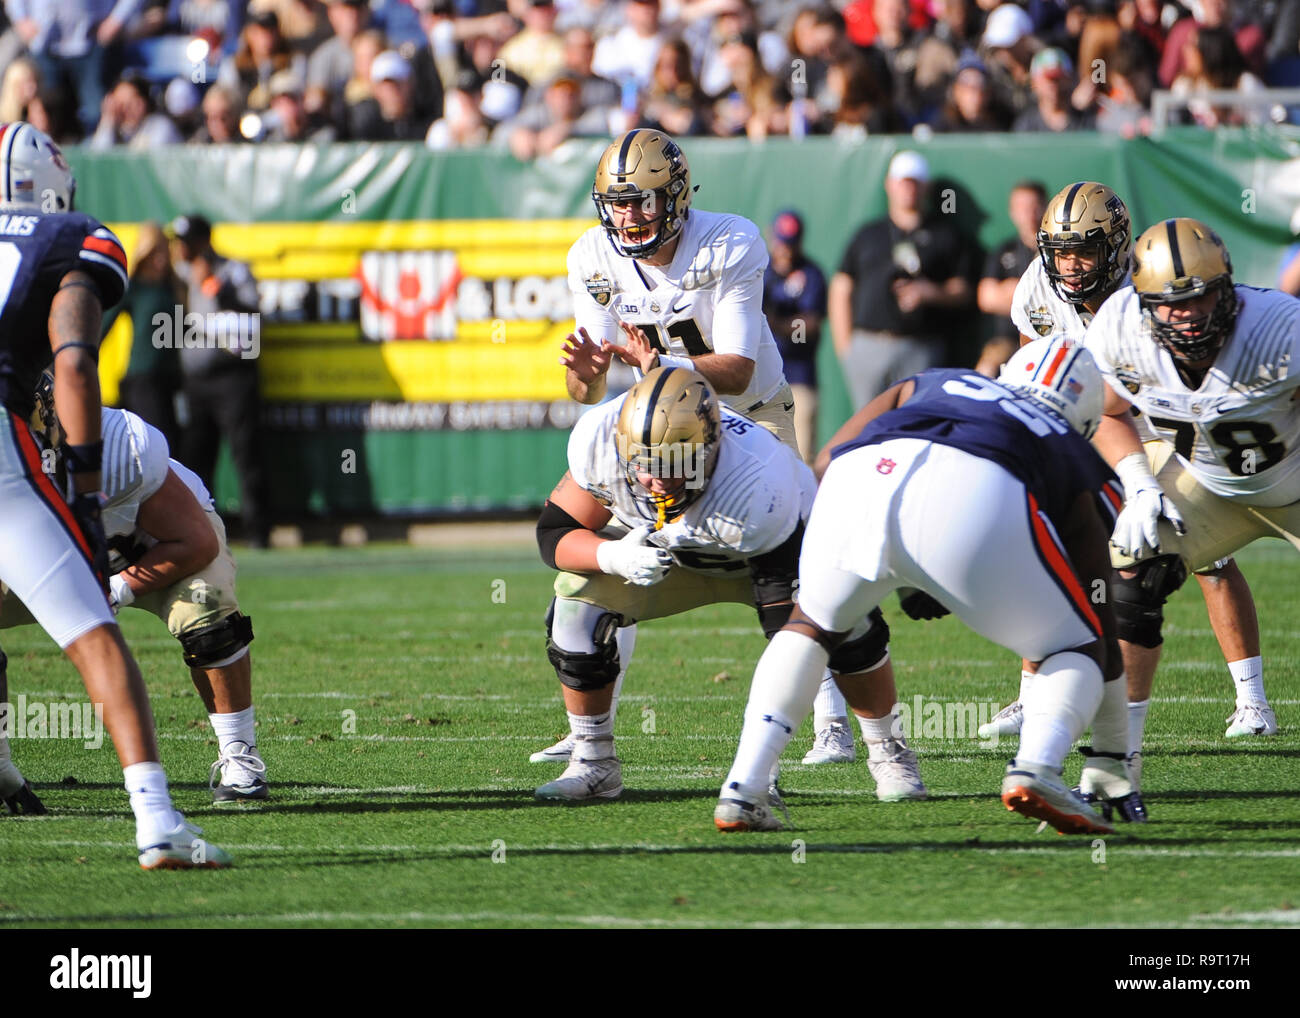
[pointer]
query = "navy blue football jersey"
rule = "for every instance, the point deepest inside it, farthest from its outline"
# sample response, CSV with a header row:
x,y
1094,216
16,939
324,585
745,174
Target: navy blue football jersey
x,y
36,252
1031,441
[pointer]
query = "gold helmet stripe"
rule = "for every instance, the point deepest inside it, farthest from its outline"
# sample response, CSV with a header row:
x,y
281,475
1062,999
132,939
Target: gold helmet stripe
x,y
1171,228
1067,216
646,437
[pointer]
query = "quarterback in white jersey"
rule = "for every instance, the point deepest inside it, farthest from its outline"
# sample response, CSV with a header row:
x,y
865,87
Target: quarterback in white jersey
x,y
1208,364
713,506
683,286
168,555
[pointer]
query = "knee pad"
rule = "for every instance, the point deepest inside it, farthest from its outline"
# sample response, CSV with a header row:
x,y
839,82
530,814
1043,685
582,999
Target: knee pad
x,y
773,616
218,644
1139,600
591,671
865,651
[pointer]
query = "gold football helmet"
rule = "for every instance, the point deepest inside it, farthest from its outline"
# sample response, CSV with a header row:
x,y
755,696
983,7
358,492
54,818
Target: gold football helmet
x,y
669,428
645,168
1089,218
1177,260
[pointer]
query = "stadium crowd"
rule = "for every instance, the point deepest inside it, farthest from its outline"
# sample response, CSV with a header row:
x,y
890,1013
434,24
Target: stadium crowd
x,y
530,74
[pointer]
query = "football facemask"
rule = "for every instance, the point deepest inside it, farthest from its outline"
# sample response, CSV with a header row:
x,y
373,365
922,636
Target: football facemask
x,y
642,192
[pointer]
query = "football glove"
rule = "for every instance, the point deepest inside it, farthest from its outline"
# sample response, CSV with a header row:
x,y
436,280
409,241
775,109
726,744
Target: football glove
x,y
86,509
120,593
919,605
633,560
1138,525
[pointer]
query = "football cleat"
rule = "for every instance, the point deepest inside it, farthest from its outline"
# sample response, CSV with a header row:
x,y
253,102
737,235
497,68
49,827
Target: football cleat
x,y
1037,792
24,802
1252,719
241,771
895,770
734,814
1105,784
594,772
832,744
559,753
183,849
1007,721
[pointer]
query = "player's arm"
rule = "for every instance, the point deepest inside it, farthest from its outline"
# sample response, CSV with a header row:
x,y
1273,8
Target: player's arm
x,y
1087,544
566,530
893,397
186,541
75,315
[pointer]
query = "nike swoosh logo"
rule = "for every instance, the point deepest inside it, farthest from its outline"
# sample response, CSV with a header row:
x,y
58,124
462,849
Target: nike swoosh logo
x,y
678,311
788,407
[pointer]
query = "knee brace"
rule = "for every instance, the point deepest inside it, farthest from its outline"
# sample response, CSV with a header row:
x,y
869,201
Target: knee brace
x,y
1139,600
774,576
218,644
586,672
865,651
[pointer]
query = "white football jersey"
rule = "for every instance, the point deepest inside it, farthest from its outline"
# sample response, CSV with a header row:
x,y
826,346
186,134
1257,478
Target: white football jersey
x,y
135,466
1239,433
709,299
758,493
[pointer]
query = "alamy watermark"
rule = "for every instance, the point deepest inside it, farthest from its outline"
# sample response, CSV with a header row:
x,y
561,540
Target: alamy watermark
x,y
35,719
945,719
237,332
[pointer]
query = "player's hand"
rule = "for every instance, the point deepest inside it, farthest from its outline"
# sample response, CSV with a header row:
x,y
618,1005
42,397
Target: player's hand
x,y
86,509
120,593
633,560
1138,526
919,605
638,351
587,359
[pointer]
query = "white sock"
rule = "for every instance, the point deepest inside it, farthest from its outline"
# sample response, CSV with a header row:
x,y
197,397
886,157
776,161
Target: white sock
x,y
1110,726
238,727
1137,722
150,802
877,729
626,640
1064,700
1026,684
785,684
592,726
830,704
1248,677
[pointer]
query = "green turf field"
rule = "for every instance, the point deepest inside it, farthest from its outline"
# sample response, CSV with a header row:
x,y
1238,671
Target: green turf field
x,y
400,691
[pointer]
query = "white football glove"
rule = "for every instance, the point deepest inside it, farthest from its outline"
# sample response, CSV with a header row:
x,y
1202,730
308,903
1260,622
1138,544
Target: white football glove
x,y
630,558
120,593
1138,526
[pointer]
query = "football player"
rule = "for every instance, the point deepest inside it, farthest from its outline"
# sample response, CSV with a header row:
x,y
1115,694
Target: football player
x,y
58,270
987,496
1207,363
661,283
713,507
168,556
1084,245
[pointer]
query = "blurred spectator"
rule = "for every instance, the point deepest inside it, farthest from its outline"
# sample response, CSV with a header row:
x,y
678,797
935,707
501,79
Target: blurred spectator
x,y
365,47
153,372
539,131
1250,40
261,52
629,54
330,66
794,301
745,106
217,22
864,105
289,120
1009,47
902,279
19,87
537,52
1053,79
939,53
69,40
129,118
462,124
970,105
482,52
389,114
1123,108
1211,60
674,101
303,23
897,44
1142,18
221,383
599,17
597,92
816,39
181,102
48,111
707,36
221,115
1003,269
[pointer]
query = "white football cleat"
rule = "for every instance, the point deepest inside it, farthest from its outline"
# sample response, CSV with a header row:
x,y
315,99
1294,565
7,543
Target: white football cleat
x,y
734,813
559,753
594,772
1039,793
895,770
832,744
183,849
1007,721
1252,719
242,773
